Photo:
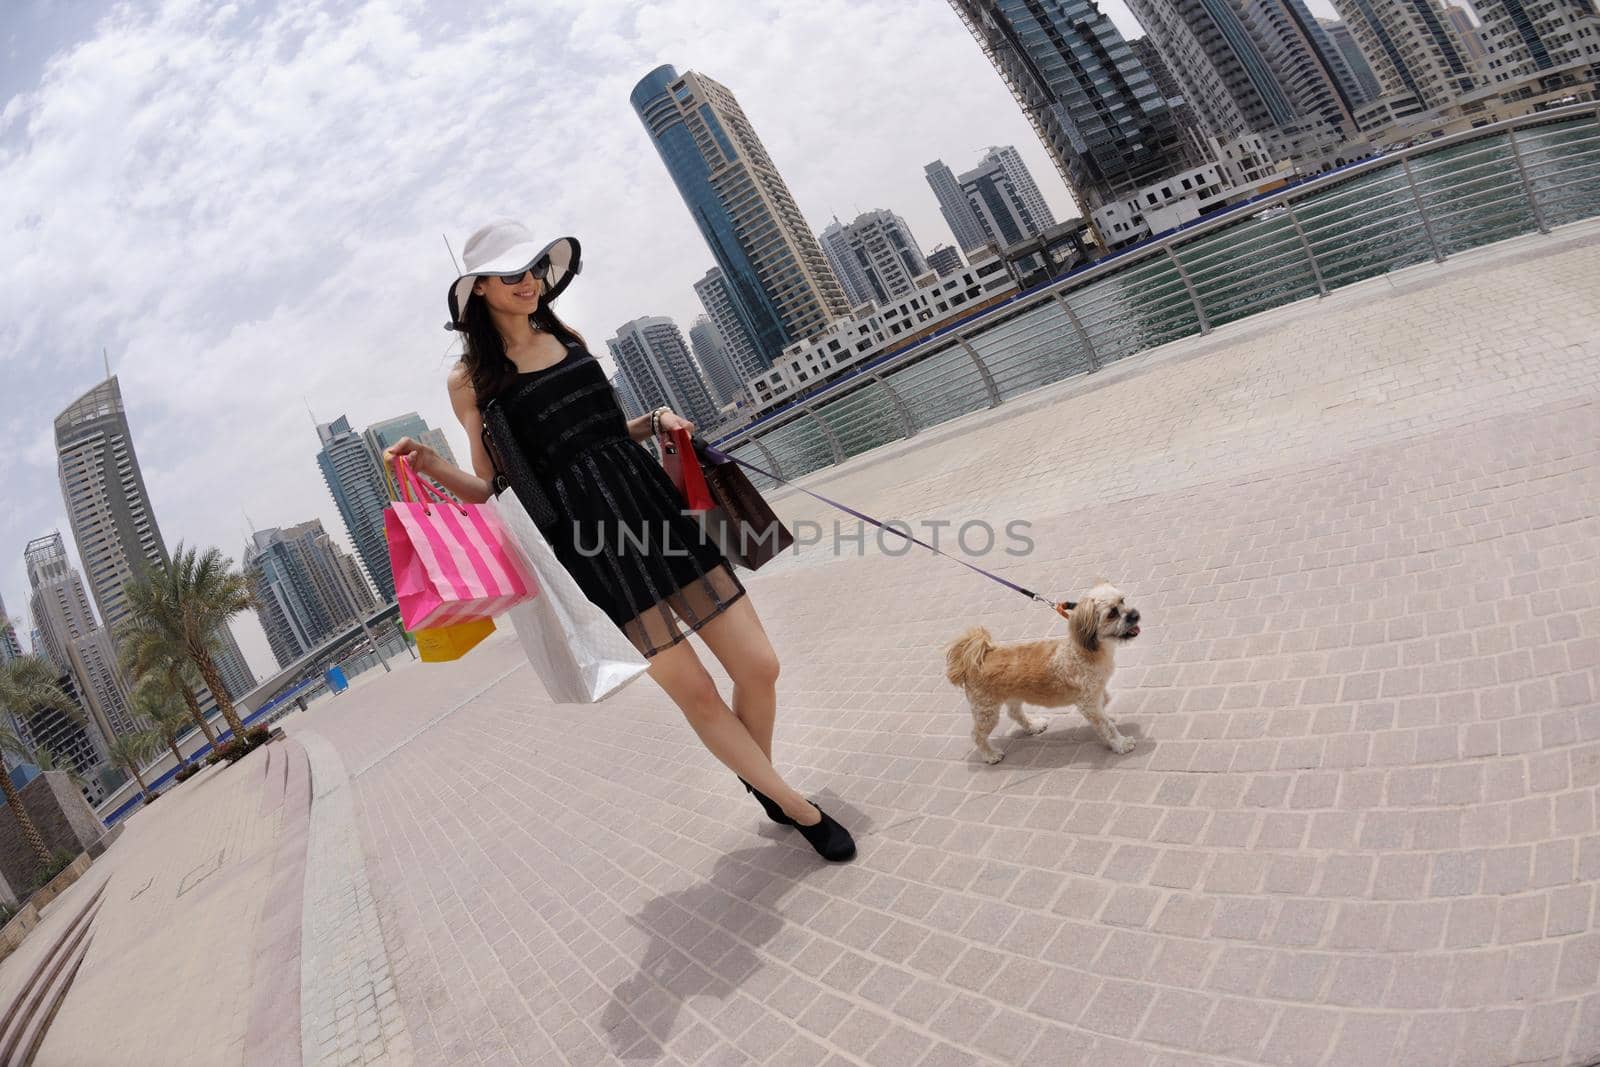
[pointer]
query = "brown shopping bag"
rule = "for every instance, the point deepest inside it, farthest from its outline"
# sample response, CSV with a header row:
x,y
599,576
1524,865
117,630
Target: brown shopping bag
x,y
741,521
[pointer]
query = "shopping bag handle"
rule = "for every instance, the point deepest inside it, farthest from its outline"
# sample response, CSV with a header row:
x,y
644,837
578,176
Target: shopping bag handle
x,y
413,490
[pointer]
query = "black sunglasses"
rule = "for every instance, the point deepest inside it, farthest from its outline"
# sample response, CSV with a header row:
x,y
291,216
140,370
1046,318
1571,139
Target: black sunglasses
x,y
541,272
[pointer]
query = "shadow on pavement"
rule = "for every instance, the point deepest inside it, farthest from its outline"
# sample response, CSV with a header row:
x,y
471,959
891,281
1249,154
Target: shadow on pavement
x,y
1070,742
721,925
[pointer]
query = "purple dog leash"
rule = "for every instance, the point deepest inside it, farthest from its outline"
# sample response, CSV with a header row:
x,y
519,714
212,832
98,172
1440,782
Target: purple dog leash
x,y
718,456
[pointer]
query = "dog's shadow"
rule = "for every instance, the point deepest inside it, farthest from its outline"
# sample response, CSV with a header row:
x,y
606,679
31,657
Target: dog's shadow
x,y
1069,743
703,938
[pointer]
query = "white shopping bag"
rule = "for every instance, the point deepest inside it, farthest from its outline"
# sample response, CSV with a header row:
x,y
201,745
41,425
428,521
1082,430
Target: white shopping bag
x,y
576,650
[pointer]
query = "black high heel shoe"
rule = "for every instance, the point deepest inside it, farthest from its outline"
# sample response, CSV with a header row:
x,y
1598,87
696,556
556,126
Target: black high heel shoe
x,y
832,841
774,812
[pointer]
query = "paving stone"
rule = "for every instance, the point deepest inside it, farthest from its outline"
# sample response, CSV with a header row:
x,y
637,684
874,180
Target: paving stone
x,y
1357,825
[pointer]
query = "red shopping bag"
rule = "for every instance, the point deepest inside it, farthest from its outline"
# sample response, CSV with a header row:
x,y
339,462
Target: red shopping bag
x,y
452,562
677,456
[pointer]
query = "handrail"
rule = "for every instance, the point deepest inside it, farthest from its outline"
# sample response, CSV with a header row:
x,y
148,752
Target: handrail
x,y
1527,187
1155,248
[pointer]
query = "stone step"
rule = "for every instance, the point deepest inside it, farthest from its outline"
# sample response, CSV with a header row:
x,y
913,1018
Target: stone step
x,y
25,1020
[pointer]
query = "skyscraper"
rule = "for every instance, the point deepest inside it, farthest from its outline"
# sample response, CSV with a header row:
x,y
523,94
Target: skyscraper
x,y
996,203
626,398
1524,38
1096,109
1213,56
1412,47
1360,84
308,589
354,475
651,353
112,521
958,214
10,645
713,358
716,298
71,637
1250,68
59,601
380,435
107,503
1304,62
779,284
72,743
875,257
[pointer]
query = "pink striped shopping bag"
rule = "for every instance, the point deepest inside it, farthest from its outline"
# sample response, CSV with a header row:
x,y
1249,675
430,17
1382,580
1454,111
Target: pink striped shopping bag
x,y
452,562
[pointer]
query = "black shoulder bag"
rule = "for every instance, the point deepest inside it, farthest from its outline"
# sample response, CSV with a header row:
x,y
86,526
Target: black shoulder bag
x,y
511,469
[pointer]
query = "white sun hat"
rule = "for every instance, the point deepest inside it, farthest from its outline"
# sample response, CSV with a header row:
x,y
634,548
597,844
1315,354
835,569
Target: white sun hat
x,y
506,246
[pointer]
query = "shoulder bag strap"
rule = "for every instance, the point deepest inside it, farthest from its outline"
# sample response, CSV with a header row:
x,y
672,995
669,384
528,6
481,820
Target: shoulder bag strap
x,y
511,469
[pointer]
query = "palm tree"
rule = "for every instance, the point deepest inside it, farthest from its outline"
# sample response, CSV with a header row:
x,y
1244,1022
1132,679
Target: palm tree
x,y
190,602
129,751
147,650
153,702
27,685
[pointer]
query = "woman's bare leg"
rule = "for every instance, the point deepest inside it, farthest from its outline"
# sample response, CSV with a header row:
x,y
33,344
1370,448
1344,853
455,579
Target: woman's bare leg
x,y
679,671
740,644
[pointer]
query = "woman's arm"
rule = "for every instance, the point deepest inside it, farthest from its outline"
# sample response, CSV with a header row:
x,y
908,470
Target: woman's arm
x,y
473,488
641,429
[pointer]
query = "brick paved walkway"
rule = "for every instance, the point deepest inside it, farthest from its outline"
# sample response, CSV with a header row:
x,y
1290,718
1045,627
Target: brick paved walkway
x,y
1359,826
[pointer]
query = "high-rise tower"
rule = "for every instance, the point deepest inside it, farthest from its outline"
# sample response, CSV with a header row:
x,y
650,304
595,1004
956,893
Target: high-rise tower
x,y
1251,67
72,639
1304,61
779,283
380,435
712,355
107,503
717,299
651,352
1360,84
631,407
1525,38
112,521
354,475
1413,49
1097,110
995,203
875,257
307,587
10,645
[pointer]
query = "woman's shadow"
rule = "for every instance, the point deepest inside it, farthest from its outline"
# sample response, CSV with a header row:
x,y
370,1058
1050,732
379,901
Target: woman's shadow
x,y
702,936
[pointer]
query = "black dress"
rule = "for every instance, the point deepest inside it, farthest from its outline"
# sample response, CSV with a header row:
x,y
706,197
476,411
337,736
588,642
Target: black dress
x,y
622,531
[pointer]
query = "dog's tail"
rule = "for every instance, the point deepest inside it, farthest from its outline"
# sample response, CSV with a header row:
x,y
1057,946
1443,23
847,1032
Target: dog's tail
x,y
965,655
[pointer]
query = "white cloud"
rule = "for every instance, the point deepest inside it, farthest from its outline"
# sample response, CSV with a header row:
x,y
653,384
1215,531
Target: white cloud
x,y
244,204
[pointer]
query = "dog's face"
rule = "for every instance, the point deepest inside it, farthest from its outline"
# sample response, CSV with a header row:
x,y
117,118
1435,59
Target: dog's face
x,y
1103,615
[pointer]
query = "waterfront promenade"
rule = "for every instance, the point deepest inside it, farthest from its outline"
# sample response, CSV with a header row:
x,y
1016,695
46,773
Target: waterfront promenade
x,y
1359,826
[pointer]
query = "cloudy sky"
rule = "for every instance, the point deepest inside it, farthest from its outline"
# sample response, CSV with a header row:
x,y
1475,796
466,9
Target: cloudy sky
x,y
243,204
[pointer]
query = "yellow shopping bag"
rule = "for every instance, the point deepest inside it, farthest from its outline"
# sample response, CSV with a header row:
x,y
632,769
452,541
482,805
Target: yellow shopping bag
x,y
445,643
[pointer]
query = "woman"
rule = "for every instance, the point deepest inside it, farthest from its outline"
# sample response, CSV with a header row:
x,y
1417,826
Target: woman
x,y
620,530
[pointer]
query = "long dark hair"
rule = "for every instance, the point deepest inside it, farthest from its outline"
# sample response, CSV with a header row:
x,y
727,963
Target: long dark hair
x,y
484,351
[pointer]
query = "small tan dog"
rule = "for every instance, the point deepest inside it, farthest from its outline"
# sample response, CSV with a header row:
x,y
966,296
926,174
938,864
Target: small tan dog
x,y
1051,673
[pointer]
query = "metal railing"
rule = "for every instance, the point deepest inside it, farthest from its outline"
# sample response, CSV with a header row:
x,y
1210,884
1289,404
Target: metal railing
x,y
1425,203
